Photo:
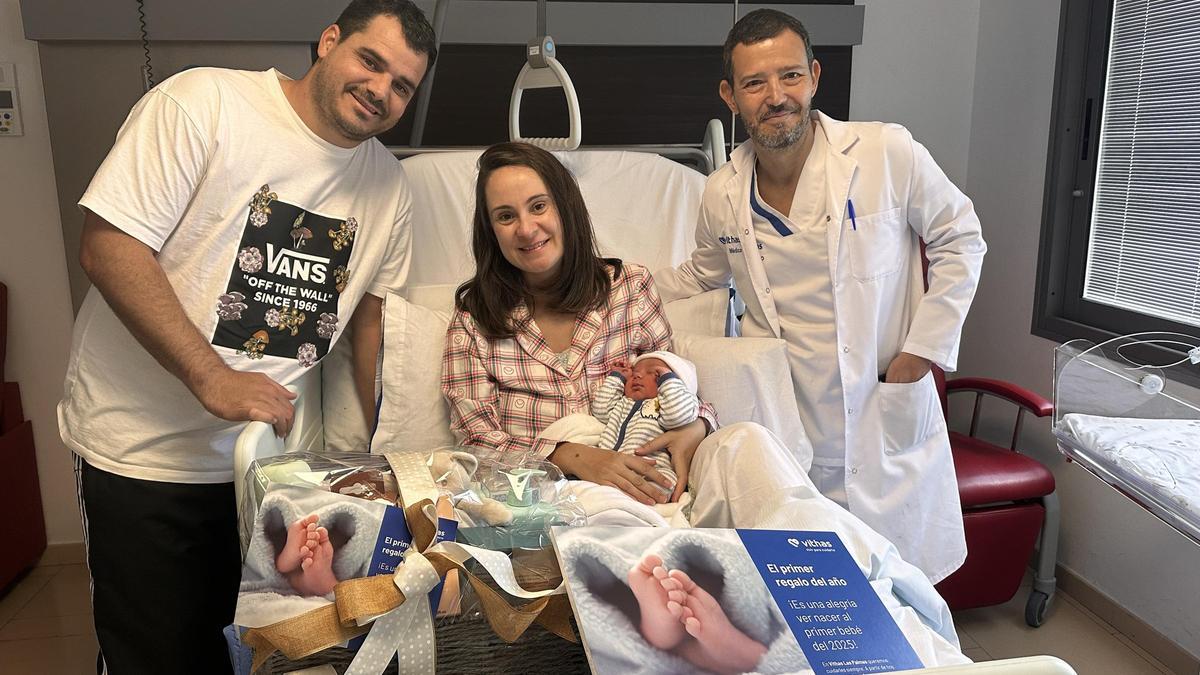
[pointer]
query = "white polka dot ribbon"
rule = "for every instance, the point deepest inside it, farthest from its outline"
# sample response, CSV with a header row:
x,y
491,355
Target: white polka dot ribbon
x,y
411,470
498,565
408,629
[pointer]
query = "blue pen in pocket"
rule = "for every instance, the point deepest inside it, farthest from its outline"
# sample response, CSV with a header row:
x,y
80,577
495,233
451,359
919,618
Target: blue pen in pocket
x,y
850,210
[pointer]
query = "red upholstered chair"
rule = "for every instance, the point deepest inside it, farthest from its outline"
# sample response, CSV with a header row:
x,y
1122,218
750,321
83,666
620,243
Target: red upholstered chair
x,y
1008,503
21,498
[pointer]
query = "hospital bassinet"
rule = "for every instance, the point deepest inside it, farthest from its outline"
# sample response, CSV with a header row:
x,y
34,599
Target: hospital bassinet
x,y
1134,424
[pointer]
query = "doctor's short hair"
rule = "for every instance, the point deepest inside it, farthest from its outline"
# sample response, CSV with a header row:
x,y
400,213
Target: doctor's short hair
x,y
417,31
759,25
497,287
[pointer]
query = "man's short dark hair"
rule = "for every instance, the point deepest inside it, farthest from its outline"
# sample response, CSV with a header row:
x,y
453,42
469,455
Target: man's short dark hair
x,y
417,31
759,25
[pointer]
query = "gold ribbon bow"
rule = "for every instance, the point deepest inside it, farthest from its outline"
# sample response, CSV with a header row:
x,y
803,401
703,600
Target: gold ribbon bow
x,y
366,598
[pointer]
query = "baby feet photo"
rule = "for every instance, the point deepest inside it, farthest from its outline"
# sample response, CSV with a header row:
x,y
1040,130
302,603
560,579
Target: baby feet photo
x,y
678,615
661,625
304,543
306,558
658,600
315,573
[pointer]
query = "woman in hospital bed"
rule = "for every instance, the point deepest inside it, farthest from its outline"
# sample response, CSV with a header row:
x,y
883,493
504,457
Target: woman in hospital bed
x,y
545,319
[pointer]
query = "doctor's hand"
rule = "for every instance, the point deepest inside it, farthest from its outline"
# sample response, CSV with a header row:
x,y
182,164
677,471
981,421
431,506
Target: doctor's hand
x,y
681,444
635,476
907,368
242,397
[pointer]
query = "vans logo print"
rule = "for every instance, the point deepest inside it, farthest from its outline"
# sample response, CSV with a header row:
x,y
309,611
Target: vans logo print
x,y
282,296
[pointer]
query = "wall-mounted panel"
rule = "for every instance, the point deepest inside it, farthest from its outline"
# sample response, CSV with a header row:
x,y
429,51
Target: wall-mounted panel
x,y
834,22
651,95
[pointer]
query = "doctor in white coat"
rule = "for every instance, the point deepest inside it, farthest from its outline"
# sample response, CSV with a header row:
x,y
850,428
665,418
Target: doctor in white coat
x,y
818,225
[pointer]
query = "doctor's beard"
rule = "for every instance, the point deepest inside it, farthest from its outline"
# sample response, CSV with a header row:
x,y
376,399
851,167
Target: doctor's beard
x,y
778,139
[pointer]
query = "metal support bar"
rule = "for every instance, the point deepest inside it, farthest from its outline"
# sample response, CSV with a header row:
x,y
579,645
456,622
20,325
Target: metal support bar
x,y
975,414
425,91
1043,574
1017,428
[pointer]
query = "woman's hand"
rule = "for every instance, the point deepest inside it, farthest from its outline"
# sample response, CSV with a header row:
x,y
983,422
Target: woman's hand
x,y
635,476
681,443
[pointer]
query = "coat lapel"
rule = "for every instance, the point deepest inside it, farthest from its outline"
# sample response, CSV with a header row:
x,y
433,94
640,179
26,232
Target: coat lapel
x,y
737,189
839,173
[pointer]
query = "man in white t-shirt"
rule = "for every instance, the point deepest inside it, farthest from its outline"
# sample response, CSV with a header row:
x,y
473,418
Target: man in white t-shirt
x,y
819,224
241,221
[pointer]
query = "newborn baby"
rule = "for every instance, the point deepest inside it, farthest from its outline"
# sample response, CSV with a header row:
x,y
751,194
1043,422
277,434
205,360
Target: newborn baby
x,y
638,402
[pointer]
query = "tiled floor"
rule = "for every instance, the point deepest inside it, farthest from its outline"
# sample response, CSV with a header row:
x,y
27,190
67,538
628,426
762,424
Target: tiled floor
x,y
46,629
1071,632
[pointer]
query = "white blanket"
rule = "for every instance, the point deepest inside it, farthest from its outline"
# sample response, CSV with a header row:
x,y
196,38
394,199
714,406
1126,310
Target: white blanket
x,y
606,505
1161,455
265,596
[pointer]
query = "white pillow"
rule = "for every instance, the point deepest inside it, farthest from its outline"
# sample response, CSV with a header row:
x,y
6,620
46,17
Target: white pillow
x,y
703,314
341,415
439,297
748,380
624,192
413,415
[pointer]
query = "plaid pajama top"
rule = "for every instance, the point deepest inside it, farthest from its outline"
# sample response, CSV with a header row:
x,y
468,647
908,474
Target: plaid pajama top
x,y
502,393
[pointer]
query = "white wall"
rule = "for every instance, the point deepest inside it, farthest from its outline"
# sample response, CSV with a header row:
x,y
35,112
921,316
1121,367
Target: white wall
x,y
1114,545
916,67
33,265
974,82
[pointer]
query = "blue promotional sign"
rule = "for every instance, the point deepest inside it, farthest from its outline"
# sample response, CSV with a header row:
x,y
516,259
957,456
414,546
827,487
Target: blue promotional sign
x,y
837,618
394,539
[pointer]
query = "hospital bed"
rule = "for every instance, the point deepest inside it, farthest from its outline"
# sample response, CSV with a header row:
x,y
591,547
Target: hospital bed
x,y
1122,412
643,208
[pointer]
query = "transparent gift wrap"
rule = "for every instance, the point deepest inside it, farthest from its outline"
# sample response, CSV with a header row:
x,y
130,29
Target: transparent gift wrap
x,y
368,477
499,505
505,506
321,533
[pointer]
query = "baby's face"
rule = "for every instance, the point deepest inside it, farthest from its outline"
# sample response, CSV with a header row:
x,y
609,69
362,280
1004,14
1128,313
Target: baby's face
x,y
643,381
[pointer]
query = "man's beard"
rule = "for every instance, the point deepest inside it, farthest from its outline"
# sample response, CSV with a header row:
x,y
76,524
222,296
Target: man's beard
x,y
778,138
327,95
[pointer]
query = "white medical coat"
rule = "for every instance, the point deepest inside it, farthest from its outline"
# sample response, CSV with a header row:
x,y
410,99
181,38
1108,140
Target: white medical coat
x,y
899,471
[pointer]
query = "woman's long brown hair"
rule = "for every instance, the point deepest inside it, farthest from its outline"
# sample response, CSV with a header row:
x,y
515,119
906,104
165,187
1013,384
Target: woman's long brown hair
x,y
584,280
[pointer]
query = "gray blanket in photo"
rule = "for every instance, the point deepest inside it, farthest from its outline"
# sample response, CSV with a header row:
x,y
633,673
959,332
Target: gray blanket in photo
x,y
716,560
353,526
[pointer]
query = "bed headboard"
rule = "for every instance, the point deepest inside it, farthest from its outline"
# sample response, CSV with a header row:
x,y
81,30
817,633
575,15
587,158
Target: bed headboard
x,y
643,208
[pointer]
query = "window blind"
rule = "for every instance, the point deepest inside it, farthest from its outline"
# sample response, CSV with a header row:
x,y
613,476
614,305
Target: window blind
x,y
1144,242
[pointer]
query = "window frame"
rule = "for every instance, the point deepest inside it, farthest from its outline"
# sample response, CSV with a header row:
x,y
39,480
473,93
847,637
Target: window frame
x,y
1060,311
